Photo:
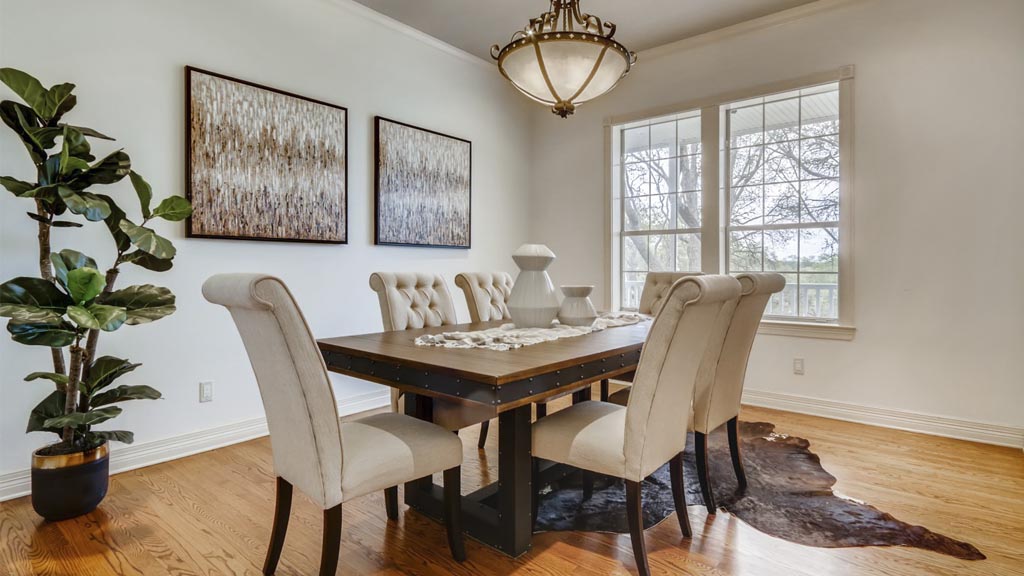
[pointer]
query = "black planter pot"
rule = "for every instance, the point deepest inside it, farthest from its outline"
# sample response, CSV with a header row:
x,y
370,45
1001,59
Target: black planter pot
x,y
69,485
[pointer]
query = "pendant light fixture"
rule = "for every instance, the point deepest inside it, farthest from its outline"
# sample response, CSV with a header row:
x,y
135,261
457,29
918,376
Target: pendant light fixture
x,y
564,58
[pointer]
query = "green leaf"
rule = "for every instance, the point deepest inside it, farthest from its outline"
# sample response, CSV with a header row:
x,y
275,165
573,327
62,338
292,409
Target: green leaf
x,y
144,191
48,193
80,419
67,260
148,261
174,209
27,87
64,108
98,317
89,205
45,136
74,152
51,407
15,186
104,371
148,241
54,100
59,379
32,300
93,436
65,224
113,223
144,303
91,133
21,119
42,334
85,283
110,169
123,393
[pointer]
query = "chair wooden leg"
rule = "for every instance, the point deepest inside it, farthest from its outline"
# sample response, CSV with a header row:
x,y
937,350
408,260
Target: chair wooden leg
x,y
675,468
331,547
605,390
588,484
542,410
453,512
734,450
484,427
635,515
282,510
700,441
391,502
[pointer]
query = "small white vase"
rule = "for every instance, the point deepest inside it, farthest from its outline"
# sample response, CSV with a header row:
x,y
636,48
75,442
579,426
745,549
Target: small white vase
x,y
533,302
577,309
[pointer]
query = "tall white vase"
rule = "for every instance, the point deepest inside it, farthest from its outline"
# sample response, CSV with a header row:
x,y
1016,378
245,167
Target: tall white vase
x,y
533,302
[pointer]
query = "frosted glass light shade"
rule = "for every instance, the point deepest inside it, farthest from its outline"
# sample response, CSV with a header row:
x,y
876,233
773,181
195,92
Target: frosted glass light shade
x,y
564,69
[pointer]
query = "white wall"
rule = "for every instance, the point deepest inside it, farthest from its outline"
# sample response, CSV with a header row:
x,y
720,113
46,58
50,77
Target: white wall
x,y
938,197
127,58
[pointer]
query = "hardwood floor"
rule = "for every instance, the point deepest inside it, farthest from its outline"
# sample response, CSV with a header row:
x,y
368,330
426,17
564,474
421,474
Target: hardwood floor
x,y
211,514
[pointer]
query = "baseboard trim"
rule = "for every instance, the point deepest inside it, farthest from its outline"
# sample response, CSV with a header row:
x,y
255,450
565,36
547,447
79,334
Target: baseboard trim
x,y
897,419
131,457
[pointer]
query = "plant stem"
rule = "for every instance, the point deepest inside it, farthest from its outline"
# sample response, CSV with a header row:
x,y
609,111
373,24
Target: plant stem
x,y
71,395
94,335
47,274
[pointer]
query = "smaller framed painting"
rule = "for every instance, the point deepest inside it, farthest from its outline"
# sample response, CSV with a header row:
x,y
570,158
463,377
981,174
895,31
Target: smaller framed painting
x,y
423,192
264,164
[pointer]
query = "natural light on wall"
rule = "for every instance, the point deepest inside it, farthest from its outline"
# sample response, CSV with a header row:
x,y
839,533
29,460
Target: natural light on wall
x,y
774,201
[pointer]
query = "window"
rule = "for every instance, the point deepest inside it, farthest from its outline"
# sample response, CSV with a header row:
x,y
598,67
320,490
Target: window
x,y
782,197
660,204
741,185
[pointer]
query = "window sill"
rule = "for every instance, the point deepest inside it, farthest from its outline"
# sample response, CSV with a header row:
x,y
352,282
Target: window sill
x,y
807,330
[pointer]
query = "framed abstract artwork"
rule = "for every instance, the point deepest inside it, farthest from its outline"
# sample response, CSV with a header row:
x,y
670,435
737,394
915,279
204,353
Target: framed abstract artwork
x,y
423,192
264,164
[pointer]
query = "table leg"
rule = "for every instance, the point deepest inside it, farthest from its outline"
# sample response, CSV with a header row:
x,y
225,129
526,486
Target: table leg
x,y
515,492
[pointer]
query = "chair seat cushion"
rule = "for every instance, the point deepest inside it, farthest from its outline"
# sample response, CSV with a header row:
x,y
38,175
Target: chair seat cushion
x,y
588,435
386,450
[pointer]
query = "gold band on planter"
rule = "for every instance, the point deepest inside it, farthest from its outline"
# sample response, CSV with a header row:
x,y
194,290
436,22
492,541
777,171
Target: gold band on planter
x,y
59,461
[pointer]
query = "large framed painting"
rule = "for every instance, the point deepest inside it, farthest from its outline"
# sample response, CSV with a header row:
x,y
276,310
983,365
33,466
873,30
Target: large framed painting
x,y
423,193
264,164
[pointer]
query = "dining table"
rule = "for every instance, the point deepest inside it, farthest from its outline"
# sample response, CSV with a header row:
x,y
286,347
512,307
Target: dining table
x,y
501,384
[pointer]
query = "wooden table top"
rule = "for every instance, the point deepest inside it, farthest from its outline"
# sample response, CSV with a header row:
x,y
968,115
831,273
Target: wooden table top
x,y
489,366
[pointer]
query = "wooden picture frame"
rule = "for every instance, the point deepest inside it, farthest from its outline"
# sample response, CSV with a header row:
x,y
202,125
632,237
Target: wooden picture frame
x,y
302,173
440,167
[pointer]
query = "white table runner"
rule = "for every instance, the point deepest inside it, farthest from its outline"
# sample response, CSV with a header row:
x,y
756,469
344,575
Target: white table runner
x,y
508,337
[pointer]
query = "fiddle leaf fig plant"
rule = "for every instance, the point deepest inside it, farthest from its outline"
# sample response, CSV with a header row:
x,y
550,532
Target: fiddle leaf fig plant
x,y
72,302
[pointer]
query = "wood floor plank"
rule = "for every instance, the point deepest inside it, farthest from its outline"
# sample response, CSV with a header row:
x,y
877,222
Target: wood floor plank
x,y
210,515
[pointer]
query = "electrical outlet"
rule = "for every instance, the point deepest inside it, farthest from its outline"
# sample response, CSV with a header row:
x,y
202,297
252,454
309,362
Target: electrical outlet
x,y
206,391
798,366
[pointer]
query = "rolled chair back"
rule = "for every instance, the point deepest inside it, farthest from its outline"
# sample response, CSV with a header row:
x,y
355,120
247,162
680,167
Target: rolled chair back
x,y
302,413
486,294
717,400
656,287
682,347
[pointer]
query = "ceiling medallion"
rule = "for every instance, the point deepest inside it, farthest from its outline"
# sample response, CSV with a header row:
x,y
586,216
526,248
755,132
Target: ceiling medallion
x,y
564,58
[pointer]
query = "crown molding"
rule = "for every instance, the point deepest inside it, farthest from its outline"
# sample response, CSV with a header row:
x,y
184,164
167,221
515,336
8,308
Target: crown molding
x,y
402,28
767,21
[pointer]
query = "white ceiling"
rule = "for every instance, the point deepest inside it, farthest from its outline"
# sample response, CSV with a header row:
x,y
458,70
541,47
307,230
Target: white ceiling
x,y
474,25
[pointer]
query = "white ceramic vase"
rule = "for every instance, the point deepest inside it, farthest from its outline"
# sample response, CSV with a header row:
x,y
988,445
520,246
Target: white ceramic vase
x,y
577,309
533,302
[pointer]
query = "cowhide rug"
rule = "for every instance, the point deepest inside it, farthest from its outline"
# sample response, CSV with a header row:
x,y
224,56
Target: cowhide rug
x,y
789,496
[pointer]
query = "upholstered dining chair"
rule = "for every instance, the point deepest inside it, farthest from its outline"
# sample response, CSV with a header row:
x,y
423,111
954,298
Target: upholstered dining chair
x,y
632,442
487,296
410,300
332,462
655,290
717,401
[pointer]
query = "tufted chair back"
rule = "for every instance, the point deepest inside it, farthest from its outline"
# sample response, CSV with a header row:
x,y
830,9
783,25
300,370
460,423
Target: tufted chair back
x,y
682,349
717,400
413,300
656,287
302,414
486,294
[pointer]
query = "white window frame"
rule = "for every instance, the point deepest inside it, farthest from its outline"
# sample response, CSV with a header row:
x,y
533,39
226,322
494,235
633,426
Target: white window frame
x,y
715,210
